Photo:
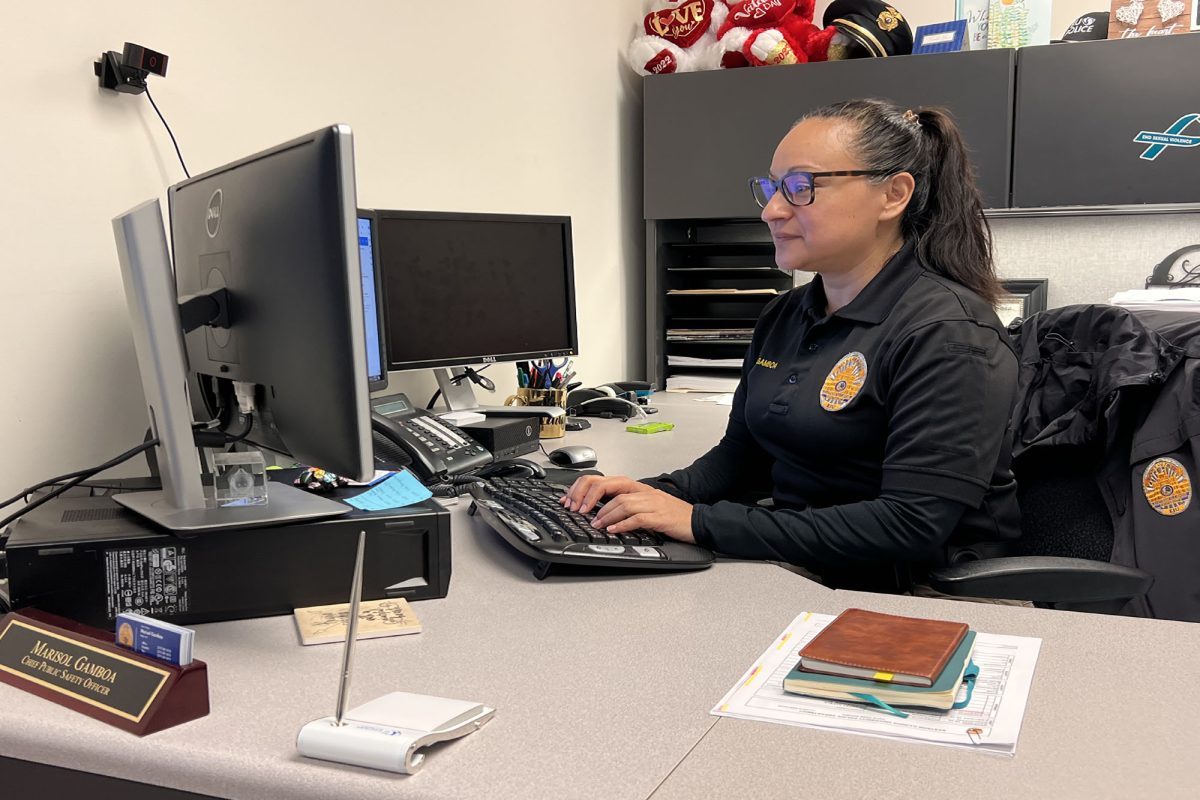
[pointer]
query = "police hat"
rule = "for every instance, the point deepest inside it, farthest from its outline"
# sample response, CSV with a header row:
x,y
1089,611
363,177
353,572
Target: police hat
x,y
1089,27
877,29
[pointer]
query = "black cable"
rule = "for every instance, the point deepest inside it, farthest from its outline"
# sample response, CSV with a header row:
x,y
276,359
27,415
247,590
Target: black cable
x,y
467,374
24,493
454,485
80,477
239,437
169,133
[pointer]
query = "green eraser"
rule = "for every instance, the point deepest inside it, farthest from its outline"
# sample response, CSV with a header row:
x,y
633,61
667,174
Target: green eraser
x,y
650,427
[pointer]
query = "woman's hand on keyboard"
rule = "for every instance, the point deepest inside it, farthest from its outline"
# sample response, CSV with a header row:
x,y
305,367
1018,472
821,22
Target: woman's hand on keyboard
x,y
653,510
588,490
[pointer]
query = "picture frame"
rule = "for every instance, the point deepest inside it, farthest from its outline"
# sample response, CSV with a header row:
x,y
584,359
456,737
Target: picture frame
x,y
1023,298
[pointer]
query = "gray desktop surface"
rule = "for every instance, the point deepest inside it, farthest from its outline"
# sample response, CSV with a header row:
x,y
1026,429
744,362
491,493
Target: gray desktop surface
x,y
601,684
1111,714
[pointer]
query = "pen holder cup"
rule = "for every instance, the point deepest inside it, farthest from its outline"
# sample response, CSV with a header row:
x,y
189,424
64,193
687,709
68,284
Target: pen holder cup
x,y
550,429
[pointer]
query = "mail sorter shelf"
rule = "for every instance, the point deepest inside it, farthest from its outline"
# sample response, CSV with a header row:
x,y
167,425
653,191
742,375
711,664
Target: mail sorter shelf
x,y
707,283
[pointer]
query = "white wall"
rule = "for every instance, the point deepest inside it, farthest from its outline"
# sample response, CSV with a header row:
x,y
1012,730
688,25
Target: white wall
x,y
535,113
530,115
1088,259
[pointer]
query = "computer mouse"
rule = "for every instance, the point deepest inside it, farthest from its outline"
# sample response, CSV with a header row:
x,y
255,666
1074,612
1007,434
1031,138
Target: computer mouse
x,y
573,456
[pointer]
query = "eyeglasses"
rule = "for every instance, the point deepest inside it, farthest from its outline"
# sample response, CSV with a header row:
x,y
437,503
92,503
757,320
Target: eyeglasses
x,y
798,188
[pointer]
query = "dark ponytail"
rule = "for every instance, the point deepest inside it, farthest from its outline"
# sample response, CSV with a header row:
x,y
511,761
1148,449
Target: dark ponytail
x,y
945,215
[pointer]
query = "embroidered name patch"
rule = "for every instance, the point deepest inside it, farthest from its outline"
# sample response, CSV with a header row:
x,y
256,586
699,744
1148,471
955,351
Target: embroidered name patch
x,y
762,362
1167,486
844,382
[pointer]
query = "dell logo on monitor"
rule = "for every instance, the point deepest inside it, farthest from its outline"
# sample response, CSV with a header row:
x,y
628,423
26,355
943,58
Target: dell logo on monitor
x,y
212,217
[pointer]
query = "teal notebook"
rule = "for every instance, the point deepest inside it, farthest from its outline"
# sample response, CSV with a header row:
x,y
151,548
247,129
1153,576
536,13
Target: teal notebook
x,y
940,696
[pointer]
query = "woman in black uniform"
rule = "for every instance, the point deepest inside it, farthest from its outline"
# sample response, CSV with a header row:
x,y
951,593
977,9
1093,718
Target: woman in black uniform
x,y
874,401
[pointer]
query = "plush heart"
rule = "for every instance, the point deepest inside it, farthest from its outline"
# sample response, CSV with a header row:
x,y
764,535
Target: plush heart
x,y
1130,14
1169,9
683,24
663,62
760,13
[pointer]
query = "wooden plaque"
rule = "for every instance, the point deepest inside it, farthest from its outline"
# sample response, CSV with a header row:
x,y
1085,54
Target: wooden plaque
x,y
1135,19
80,667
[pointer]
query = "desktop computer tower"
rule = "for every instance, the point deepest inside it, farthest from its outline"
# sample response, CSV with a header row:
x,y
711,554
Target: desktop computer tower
x,y
89,559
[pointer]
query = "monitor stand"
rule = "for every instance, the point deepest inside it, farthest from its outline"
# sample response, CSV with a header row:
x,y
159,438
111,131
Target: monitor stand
x,y
460,401
182,504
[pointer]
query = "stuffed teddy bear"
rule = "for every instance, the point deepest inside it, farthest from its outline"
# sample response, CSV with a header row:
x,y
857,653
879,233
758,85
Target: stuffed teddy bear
x,y
680,36
763,32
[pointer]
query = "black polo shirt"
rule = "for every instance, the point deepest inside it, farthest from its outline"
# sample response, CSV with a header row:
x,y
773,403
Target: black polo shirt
x,y
880,429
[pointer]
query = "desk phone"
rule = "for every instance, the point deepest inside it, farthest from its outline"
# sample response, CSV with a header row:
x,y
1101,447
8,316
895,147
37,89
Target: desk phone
x,y
407,436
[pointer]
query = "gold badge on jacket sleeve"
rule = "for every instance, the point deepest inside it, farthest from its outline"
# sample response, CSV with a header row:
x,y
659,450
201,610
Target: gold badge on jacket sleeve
x,y
1167,486
844,382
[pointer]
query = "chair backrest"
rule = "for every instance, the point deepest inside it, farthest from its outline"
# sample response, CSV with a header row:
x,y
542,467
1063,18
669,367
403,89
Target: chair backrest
x,y
1062,510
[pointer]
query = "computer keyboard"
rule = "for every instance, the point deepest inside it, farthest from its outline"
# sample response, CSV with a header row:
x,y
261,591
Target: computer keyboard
x,y
527,515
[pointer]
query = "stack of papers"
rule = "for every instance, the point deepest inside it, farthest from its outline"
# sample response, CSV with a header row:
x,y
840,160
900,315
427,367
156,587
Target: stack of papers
x,y
990,723
722,291
702,383
709,334
691,361
1160,299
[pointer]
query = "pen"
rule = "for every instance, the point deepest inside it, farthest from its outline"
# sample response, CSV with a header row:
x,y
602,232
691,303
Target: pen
x,y
351,630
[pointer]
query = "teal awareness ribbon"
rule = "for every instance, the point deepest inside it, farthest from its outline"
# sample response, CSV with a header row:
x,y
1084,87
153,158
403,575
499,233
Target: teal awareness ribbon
x,y
1169,138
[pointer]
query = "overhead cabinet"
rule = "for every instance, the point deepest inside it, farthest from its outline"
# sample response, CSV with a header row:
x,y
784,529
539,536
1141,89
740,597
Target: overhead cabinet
x,y
706,133
1108,123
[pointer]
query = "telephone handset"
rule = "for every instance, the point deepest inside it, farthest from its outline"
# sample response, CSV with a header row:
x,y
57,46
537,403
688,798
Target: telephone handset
x,y
406,436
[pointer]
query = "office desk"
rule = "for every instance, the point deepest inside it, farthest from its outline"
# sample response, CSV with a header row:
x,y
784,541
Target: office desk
x,y
594,701
1111,713
601,685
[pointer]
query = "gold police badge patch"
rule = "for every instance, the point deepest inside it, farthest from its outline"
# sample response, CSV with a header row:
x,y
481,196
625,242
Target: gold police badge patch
x,y
1167,486
844,382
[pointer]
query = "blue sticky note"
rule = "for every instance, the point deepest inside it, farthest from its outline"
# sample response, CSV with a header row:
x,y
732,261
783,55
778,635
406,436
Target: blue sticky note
x,y
402,489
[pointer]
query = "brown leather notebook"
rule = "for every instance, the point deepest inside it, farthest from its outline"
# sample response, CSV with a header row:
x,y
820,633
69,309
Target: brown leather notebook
x,y
883,647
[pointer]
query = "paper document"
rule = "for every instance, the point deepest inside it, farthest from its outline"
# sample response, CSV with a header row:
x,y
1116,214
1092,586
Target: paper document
x,y
1162,299
693,361
722,291
989,724
683,382
725,399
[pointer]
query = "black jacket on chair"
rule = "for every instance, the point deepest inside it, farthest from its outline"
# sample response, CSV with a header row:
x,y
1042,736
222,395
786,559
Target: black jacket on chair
x,y
1120,392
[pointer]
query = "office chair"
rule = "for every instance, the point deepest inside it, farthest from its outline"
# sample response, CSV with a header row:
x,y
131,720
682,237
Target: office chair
x,y
1061,559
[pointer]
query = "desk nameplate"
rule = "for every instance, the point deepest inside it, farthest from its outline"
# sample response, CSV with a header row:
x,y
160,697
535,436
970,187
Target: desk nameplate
x,y
82,669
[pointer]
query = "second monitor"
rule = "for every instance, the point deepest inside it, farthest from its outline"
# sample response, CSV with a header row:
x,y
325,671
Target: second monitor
x,y
462,289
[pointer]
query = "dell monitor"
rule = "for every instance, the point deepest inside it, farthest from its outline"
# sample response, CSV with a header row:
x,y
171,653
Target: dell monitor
x,y
372,291
465,289
265,312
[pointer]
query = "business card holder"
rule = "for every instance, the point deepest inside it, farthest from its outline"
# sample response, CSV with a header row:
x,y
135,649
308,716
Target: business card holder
x,y
83,669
